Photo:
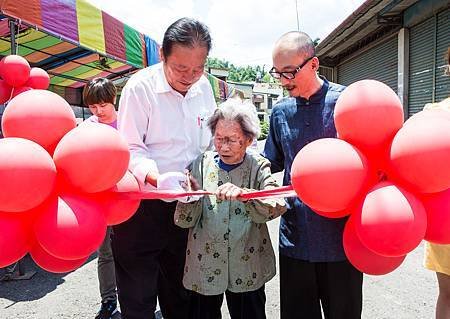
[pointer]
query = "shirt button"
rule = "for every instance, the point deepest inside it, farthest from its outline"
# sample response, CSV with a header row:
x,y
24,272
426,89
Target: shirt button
x,y
307,123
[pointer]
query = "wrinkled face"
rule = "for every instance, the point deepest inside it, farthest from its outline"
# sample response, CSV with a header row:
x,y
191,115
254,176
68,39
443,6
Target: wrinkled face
x,y
105,112
289,61
184,66
230,142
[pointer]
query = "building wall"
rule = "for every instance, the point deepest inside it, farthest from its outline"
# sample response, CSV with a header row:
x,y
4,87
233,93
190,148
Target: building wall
x,y
428,43
379,62
412,65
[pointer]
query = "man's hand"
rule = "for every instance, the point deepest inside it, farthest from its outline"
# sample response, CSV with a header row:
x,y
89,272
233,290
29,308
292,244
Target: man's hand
x,y
176,181
171,181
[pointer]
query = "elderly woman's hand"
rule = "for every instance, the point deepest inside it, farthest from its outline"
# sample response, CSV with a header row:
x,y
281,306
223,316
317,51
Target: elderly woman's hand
x,y
229,191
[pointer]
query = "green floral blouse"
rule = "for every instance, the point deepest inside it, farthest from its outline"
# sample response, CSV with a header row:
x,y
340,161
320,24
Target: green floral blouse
x,y
229,247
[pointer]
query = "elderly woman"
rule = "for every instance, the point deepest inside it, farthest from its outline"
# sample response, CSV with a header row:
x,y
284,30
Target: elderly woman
x,y
229,249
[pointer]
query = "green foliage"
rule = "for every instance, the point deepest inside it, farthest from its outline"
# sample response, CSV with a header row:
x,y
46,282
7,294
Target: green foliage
x,y
264,130
240,73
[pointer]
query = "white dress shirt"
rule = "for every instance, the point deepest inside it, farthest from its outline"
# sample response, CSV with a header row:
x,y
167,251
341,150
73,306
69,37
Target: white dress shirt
x,y
165,130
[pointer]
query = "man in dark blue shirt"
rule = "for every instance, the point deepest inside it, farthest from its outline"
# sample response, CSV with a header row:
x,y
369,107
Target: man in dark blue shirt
x,y
314,270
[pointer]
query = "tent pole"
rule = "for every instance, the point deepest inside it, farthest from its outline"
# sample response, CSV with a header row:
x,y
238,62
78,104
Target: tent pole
x,y
12,30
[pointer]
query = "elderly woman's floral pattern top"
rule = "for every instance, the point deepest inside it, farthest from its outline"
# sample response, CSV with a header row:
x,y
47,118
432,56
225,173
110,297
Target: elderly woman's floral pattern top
x,y
229,247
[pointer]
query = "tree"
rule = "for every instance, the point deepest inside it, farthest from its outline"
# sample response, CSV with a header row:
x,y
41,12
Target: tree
x,y
239,73
243,73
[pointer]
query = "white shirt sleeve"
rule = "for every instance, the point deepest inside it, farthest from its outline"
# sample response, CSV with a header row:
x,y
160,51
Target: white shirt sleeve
x,y
133,121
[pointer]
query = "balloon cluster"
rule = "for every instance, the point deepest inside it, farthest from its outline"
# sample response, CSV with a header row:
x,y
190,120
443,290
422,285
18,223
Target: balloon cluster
x,y
60,183
392,178
17,77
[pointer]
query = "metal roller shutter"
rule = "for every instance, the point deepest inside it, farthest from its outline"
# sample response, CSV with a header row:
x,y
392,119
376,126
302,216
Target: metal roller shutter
x,y
429,41
377,63
442,88
421,65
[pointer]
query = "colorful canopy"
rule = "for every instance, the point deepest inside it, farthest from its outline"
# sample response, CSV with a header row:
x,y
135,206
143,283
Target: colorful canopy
x,y
221,89
74,42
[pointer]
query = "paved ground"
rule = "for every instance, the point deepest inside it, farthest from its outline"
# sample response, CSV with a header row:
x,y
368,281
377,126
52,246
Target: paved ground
x,y
407,293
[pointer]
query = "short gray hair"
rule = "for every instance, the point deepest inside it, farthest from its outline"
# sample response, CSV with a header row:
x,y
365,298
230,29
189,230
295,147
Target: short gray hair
x,y
239,111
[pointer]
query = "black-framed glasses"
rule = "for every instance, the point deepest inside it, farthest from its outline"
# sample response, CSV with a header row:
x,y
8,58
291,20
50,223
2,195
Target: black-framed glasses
x,y
289,74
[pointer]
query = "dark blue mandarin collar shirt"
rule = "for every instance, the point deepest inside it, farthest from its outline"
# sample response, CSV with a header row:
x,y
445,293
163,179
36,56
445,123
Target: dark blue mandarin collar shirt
x,y
294,123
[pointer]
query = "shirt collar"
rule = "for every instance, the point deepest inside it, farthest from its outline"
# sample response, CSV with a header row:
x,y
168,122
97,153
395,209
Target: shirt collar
x,y
227,167
316,97
163,86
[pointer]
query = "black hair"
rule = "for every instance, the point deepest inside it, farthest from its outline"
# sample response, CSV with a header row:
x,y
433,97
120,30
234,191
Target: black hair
x,y
99,90
186,32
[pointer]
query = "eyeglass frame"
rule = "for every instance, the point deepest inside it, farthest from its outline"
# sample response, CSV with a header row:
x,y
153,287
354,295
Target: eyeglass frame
x,y
292,73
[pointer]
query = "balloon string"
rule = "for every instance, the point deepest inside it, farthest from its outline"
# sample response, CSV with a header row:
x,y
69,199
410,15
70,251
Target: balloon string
x,y
10,95
284,191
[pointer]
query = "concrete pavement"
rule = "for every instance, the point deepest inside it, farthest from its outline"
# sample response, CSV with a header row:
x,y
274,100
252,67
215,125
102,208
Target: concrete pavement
x,y
407,293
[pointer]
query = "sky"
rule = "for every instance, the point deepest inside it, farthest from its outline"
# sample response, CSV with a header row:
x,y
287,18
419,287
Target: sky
x,y
243,31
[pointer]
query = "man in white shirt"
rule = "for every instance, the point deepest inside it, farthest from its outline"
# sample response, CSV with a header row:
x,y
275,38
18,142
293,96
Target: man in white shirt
x,y
162,113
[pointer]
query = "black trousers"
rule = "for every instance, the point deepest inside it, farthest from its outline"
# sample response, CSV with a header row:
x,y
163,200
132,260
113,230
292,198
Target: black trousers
x,y
304,286
245,305
149,254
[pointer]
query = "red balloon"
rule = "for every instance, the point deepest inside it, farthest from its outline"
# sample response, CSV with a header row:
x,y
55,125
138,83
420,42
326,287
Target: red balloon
x,y
53,264
339,214
1,67
18,90
5,92
71,228
329,185
437,207
39,79
368,113
118,210
14,236
363,258
27,174
392,221
91,158
40,116
15,70
420,155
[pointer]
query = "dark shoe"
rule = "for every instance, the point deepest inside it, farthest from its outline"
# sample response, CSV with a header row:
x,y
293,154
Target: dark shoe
x,y
107,310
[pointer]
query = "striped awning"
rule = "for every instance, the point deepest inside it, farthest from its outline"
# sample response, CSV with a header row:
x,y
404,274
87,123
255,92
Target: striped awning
x,y
73,41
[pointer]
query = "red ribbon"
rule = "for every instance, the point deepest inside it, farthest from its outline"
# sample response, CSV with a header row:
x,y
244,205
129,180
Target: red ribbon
x,y
283,191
